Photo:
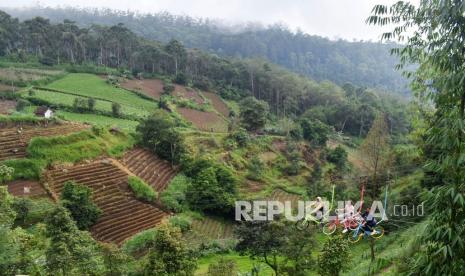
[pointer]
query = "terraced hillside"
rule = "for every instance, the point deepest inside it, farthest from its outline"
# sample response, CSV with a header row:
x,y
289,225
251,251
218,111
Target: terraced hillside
x,y
150,87
206,121
211,229
123,215
14,140
153,170
217,103
282,196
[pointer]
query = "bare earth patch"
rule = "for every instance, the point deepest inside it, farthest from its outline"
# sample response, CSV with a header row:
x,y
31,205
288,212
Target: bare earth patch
x,y
187,93
6,88
6,106
217,103
150,87
207,121
26,188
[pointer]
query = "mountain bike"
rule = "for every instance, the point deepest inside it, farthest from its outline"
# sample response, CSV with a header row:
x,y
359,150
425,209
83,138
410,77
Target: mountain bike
x,y
360,233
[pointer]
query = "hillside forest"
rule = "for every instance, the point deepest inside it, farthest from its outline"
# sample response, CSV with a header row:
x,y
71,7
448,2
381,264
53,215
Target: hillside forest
x,y
126,142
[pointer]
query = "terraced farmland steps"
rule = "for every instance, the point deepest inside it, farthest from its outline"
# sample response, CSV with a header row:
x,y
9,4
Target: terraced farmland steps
x,y
123,215
14,140
153,170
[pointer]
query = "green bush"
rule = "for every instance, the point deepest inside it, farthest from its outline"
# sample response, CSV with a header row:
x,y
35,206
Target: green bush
x,y
22,104
141,189
174,197
337,156
182,222
116,109
78,200
139,242
25,168
168,88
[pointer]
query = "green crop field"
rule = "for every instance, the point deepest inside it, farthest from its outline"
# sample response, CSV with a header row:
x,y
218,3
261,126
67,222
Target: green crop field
x,y
89,85
99,120
68,100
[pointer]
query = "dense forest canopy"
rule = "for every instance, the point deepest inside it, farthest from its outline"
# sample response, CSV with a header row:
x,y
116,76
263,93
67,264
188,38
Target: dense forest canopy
x,y
349,109
362,63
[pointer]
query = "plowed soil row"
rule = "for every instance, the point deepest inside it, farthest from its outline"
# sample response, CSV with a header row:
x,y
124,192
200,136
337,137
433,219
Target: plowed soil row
x,y
217,103
207,121
123,215
153,170
213,229
150,87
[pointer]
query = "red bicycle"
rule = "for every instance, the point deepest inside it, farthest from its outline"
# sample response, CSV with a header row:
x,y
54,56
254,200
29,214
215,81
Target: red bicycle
x,y
351,223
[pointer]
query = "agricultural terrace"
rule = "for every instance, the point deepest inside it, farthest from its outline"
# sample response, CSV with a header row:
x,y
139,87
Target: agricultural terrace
x,y
217,103
27,188
123,215
22,76
98,120
154,171
7,107
149,87
88,85
6,88
14,140
207,121
188,93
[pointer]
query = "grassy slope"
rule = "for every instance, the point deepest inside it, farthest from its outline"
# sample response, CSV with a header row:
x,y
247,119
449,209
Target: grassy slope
x,y
99,120
78,146
89,85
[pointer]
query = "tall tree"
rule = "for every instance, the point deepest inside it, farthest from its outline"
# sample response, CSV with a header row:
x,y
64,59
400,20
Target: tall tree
x,y
78,200
376,154
434,37
169,254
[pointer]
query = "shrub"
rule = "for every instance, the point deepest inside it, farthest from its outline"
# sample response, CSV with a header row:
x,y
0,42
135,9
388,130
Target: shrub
x,y
181,78
141,190
25,168
241,137
6,173
315,131
21,104
256,168
116,109
91,103
213,187
174,197
168,88
77,199
337,156
80,105
182,222
202,83
140,242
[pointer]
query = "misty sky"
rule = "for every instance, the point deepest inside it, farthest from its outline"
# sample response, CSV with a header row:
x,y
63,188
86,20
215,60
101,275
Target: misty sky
x,y
329,18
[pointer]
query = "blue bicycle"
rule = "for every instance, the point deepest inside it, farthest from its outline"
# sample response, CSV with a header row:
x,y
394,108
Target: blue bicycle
x,y
376,233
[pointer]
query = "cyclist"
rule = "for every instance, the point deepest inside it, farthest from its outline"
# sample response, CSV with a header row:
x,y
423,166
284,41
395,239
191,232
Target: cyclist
x,y
369,221
349,210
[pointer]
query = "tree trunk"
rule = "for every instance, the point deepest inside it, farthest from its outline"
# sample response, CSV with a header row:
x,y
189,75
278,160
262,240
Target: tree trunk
x,y
372,249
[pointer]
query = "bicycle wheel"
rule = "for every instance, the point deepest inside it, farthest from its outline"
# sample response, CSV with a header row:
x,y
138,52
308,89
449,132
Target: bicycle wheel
x,y
329,228
302,224
356,238
378,232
